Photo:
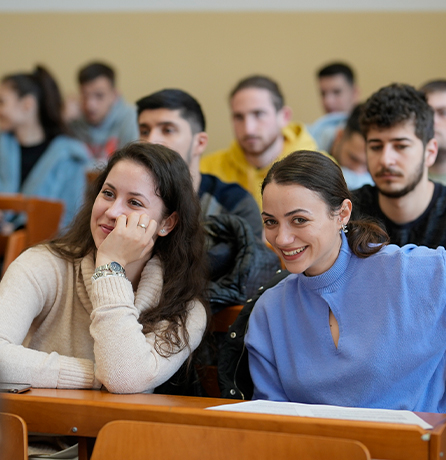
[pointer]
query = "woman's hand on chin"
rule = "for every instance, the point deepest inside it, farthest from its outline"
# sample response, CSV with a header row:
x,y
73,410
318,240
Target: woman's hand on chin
x,y
131,240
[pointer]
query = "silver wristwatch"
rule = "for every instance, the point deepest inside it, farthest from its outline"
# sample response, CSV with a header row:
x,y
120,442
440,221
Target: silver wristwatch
x,y
110,269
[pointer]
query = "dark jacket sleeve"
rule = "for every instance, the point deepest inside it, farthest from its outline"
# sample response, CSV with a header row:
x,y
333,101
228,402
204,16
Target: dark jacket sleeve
x,y
238,261
233,370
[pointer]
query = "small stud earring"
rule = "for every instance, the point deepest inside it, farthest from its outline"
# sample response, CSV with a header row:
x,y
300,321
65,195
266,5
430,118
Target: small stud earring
x,y
163,231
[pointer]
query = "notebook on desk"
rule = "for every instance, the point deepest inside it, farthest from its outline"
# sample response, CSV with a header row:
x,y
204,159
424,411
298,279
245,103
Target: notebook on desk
x,y
325,411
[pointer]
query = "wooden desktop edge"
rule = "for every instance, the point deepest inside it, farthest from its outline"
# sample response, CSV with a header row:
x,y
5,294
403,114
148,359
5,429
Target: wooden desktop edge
x,y
86,411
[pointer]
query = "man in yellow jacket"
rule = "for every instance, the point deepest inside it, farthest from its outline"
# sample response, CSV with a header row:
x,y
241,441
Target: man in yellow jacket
x,y
264,134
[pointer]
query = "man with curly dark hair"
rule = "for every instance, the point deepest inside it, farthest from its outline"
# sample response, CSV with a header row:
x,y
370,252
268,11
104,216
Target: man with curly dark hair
x,y
398,126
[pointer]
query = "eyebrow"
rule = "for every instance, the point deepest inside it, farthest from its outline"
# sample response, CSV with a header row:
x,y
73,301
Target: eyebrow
x,y
247,112
130,193
290,213
160,123
394,139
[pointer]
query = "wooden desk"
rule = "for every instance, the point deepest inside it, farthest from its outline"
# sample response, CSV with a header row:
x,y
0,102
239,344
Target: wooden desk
x,y
84,412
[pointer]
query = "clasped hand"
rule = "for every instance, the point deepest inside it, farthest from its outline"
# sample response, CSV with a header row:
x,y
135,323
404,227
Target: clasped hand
x,y
131,240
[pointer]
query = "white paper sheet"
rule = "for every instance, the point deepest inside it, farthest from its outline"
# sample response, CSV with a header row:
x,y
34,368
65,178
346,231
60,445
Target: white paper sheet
x,y
323,411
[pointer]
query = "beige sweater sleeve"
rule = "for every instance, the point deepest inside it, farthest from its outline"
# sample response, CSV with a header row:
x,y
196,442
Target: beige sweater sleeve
x,y
31,294
38,304
126,359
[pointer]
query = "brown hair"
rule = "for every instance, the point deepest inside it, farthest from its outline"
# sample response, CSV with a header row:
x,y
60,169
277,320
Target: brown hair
x,y
434,86
95,70
181,251
320,174
261,82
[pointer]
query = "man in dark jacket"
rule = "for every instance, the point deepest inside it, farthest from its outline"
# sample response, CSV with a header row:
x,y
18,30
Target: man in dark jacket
x,y
174,118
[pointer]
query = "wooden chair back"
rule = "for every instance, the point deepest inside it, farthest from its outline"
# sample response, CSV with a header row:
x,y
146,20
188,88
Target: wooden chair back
x,y
121,440
43,220
13,437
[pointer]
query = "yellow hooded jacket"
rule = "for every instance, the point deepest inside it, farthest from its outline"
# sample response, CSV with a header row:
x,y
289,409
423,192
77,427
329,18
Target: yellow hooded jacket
x,y
230,165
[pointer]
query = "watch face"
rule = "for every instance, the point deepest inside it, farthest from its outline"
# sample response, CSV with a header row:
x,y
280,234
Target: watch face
x,y
115,266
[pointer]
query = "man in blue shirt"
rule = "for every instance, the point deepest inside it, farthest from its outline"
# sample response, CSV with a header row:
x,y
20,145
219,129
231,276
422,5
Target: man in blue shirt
x,y
106,122
339,94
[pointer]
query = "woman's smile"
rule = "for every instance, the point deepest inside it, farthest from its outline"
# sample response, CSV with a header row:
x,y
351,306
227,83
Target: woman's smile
x,y
299,226
294,252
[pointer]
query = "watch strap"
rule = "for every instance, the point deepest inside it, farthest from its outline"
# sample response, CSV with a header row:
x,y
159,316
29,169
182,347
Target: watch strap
x,y
110,269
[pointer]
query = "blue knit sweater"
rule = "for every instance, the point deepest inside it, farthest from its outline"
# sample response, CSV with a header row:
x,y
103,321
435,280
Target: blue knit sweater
x,y
390,308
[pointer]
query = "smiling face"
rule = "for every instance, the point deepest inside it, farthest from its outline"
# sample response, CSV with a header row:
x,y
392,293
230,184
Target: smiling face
x,y
397,159
300,228
129,187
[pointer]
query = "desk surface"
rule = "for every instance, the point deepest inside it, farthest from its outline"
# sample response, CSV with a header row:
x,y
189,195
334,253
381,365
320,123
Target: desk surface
x,y
84,412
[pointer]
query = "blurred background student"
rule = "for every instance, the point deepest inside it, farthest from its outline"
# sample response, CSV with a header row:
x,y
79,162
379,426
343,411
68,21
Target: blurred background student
x,y
37,156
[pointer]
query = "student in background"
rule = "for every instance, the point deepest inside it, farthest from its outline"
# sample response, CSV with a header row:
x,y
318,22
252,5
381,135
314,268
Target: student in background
x,y
106,122
263,132
339,94
324,334
174,118
435,92
398,126
37,157
238,258
337,87
116,301
349,151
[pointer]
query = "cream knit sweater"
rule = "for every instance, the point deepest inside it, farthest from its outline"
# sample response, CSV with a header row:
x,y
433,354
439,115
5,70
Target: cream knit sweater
x,y
58,329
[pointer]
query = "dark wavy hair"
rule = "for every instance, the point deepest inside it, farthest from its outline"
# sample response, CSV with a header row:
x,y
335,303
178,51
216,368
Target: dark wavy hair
x,y
41,84
398,103
181,251
319,173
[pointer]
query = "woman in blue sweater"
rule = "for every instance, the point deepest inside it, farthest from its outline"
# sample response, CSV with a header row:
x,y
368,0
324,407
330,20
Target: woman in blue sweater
x,y
358,322
36,155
